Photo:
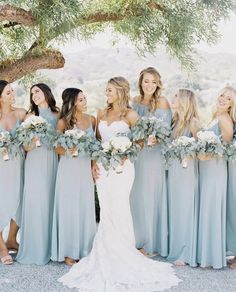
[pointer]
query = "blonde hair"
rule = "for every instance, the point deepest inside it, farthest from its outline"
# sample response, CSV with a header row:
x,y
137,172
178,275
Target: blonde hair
x,y
232,110
185,113
157,94
123,93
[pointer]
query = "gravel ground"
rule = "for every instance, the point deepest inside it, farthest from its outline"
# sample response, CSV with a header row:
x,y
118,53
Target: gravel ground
x,y
44,278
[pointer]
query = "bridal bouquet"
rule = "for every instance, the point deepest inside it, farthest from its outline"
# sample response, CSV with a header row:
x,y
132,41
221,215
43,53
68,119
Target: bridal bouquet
x,y
75,139
5,143
230,151
147,128
35,127
181,148
209,143
114,151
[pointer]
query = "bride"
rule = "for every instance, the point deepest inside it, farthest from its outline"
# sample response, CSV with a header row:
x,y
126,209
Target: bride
x,y
114,264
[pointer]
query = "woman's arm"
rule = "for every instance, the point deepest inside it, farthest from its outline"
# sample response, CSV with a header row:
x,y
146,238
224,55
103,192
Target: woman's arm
x,y
194,127
226,127
60,128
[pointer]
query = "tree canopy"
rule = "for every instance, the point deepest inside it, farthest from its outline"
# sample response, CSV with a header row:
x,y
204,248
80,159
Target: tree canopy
x,y
29,29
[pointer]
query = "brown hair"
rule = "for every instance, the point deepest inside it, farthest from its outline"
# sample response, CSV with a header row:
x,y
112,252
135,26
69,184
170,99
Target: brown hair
x,y
157,94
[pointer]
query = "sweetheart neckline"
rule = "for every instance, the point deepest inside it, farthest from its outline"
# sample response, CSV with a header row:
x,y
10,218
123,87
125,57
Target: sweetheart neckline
x,y
108,125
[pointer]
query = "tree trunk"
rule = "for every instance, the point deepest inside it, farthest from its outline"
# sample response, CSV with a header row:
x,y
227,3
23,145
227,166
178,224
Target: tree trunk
x,y
13,70
16,15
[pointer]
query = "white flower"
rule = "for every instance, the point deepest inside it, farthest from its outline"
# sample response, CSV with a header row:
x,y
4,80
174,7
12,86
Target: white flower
x,y
208,136
153,118
76,133
184,140
33,120
121,143
106,146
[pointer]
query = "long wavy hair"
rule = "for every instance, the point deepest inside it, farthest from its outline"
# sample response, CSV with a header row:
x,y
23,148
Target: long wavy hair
x,y
186,111
68,109
123,93
157,94
49,97
3,84
232,109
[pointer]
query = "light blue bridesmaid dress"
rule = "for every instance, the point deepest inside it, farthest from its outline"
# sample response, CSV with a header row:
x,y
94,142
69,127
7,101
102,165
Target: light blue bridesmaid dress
x,y
148,197
11,185
231,208
211,248
74,222
183,203
38,199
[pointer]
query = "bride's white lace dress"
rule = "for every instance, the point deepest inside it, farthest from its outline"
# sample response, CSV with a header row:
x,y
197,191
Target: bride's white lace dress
x,y
114,264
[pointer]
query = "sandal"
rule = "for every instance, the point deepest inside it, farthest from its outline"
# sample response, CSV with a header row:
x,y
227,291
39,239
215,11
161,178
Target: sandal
x,y
13,247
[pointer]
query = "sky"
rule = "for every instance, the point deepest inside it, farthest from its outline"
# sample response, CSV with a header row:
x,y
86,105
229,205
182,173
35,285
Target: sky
x,y
226,44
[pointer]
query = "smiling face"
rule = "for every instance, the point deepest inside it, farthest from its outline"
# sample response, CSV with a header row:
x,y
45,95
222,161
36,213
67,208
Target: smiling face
x,y
38,96
149,84
225,100
8,95
111,93
81,102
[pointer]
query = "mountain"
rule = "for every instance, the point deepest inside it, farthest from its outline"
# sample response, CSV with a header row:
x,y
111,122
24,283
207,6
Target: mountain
x,y
91,68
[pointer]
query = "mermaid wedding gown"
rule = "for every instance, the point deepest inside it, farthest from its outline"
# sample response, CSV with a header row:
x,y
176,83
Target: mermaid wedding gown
x,y
114,264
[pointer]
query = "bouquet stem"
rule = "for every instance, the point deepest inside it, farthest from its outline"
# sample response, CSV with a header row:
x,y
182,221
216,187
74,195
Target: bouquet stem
x,y
184,163
119,169
37,142
5,155
149,141
75,153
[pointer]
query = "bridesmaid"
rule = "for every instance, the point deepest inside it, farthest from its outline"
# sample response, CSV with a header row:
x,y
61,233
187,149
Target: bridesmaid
x,y
39,186
213,190
149,193
183,185
74,196
11,173
231,196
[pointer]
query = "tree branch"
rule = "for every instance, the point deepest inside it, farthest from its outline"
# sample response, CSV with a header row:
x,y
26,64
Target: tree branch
x,y
105,17
13,70
108,17
16,15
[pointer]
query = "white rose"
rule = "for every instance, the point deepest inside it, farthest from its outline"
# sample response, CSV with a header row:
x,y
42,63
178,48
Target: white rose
x,y
106,146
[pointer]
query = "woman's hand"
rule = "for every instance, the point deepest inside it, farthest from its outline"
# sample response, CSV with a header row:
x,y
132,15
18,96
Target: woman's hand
x,y
32,145
140,143
152,140
73,152
95,170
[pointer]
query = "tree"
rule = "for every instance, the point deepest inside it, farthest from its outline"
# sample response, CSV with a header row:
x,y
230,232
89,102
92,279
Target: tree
x,y
29,29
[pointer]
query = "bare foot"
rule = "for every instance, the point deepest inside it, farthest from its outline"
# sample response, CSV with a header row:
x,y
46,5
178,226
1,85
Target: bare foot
x,y
69,261
179,263
143,251
5,258
12,245
233,266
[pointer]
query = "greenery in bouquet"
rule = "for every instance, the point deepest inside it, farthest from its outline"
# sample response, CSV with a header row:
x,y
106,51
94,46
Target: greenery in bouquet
x,y
147,127
113,152
181,148
208,143
77,140
230,150
35,127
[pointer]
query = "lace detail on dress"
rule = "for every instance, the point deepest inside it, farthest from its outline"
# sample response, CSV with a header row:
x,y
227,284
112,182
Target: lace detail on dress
x,y
114,264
